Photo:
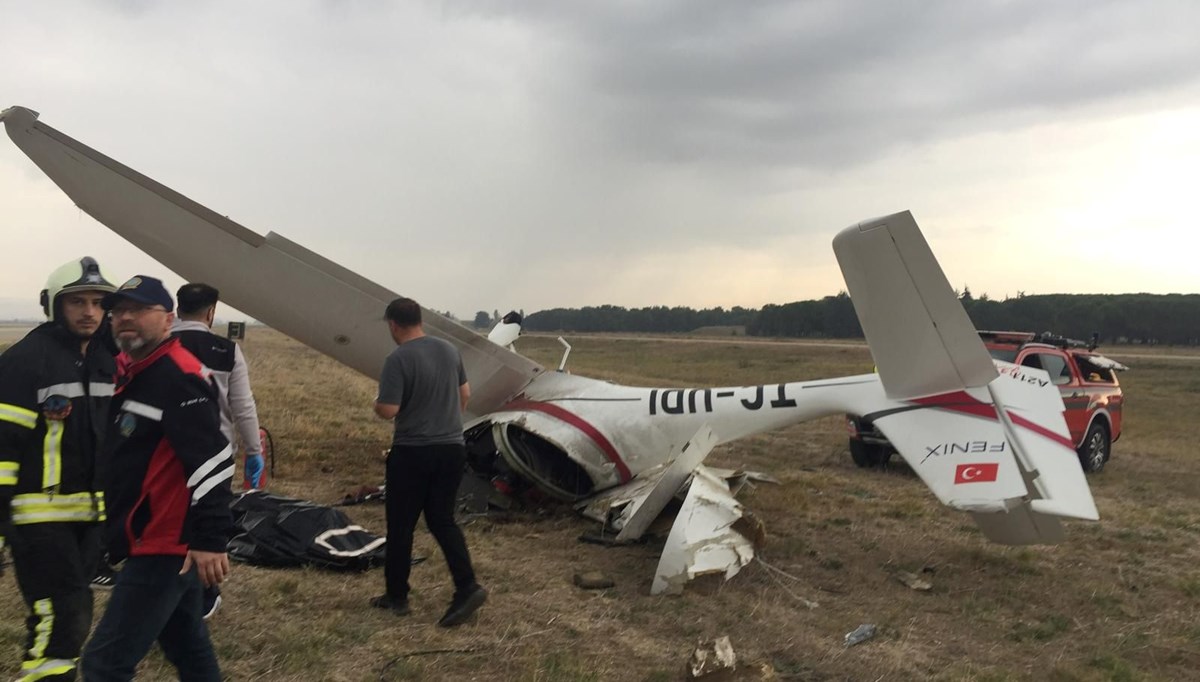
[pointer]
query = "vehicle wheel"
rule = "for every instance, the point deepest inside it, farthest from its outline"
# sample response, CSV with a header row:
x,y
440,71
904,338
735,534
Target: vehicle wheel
x,y
1096,448
868,456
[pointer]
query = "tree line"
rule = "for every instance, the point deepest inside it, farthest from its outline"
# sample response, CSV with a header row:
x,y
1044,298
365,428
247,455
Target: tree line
x,y
1135,318
660,319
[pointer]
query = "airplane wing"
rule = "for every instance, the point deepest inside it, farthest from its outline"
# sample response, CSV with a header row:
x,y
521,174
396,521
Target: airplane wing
x,y
328,308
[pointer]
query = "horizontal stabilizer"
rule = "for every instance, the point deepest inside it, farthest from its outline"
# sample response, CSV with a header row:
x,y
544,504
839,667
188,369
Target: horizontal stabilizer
x,y
1032,410
957,446
1001,453
921,339
1020,526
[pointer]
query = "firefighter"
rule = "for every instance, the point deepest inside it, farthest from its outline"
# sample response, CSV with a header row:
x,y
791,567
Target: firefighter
x,y
55,388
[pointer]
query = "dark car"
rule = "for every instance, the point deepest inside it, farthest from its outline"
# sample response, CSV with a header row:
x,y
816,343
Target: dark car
x,y
1091,395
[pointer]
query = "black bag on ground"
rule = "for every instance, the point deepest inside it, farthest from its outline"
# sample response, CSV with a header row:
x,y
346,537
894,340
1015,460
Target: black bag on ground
x,y
280,531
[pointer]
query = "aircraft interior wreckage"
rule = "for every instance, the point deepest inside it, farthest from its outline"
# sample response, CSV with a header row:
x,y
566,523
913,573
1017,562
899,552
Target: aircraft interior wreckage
x,y
622,452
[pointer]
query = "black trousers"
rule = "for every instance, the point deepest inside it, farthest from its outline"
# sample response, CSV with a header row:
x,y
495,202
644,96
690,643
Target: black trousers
x,y
152,601
425,479
54,565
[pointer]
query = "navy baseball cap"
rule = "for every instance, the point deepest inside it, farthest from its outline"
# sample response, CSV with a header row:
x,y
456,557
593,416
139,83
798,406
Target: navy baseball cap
x,y
142,289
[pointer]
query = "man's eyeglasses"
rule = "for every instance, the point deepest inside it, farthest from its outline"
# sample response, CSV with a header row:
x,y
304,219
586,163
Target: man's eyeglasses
x,y
133,310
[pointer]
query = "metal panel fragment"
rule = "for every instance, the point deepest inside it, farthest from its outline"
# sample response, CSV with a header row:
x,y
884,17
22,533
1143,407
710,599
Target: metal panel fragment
x,y
703,540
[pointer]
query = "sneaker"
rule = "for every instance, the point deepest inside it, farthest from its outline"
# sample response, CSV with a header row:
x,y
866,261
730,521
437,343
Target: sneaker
x,y
463,606
212,601
105,578
397,606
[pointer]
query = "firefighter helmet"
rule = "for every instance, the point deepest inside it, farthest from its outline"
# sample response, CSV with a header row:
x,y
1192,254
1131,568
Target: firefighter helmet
x,y
83,274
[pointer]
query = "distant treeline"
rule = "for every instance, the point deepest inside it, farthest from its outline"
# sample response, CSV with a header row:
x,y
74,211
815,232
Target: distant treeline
x,y
1139,318
611,318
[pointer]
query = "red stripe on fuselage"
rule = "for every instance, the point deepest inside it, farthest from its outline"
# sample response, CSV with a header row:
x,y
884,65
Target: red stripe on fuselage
x,y
580,423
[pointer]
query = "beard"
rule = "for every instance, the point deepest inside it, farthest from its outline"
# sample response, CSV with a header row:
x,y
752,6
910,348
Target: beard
x,y
130,344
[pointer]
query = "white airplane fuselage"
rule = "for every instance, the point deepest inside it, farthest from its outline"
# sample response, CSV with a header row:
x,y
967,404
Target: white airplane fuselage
x,y
615,432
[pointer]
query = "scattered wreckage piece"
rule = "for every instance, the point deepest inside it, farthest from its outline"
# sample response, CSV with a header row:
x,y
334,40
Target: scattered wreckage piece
x,y
703,540
914,581
641,512
712,657
363,494
712,533
860,634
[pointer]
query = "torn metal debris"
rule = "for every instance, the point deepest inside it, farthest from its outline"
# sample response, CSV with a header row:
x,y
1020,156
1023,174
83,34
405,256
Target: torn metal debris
x,y
711,657
914,581
860,634
703,539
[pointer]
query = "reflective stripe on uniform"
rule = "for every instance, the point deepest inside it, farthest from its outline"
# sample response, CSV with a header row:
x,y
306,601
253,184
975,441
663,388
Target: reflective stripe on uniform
x,y
18,415
95,389
41,668
44,610
42,508
71,390
143,410
8,472
52,454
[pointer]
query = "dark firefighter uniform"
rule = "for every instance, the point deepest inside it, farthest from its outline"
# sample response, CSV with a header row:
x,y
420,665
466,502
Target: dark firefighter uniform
x,y
50,499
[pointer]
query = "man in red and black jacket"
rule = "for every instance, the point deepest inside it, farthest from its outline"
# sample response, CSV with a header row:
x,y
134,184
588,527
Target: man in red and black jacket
x,y
167,491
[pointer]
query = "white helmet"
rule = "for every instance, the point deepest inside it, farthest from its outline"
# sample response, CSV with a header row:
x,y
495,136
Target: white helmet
x,y
78,275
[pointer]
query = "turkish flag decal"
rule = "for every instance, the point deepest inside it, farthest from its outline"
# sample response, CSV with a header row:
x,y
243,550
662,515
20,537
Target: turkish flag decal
x,y
976,473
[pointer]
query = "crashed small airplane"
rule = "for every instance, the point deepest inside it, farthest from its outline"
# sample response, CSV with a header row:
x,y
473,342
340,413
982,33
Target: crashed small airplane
x,y
624,452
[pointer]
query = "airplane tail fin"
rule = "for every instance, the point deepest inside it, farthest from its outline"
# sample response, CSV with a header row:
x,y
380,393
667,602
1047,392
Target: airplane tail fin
x,y
920,336
990,442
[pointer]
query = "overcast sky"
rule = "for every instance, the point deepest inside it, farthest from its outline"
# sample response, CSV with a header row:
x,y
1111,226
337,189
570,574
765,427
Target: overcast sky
x,y
480,155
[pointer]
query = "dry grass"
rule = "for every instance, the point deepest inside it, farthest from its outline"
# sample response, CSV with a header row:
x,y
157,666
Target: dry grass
x,y
1118,601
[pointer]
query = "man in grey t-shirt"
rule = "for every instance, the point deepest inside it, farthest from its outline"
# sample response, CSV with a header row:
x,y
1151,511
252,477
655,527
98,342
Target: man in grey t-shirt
x,y
424,389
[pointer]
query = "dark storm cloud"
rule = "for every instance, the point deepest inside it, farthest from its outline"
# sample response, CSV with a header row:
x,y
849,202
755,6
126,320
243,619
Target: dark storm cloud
x,y
825,84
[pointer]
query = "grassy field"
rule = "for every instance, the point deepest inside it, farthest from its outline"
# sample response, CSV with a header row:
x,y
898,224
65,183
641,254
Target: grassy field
x,y
1119,600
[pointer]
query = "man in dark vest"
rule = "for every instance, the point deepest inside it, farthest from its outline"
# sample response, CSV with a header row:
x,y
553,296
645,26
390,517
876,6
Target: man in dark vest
x,y
196,308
